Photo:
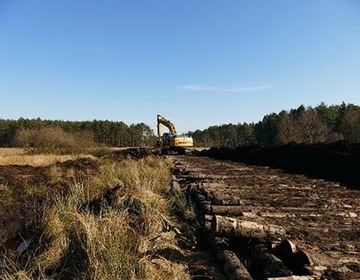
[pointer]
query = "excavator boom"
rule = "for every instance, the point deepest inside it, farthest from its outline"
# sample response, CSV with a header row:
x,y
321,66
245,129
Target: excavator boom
x,y
162,121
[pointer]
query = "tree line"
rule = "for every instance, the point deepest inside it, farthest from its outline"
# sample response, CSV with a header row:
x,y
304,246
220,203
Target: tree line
x,y
109,133
302,125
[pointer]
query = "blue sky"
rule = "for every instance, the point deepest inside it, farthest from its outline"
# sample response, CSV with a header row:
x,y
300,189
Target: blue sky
x,y
196,62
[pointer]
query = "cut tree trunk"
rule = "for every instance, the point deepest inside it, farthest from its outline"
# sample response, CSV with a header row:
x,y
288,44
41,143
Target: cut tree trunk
x,y
227,210
230,227
265,264
233,268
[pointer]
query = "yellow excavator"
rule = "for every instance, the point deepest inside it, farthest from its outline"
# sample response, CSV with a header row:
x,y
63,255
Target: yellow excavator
x,y
171,143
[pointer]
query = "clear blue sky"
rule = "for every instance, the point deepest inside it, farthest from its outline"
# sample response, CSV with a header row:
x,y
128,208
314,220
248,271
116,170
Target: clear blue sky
x,y
196,62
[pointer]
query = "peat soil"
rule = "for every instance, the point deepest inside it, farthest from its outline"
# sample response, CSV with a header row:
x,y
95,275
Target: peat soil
x,y
26,190
338,161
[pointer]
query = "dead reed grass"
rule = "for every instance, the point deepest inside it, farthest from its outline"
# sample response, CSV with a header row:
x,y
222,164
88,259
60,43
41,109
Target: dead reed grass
x,y
19,156
115,225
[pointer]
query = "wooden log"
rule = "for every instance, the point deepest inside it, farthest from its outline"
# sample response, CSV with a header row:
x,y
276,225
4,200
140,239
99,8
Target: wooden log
x,y
293,277
213,186
230,227
276,215
265,264
288,215
285,249
197,196
207,222
213,192
201,202
253,206
287,252
235,201
232,266
227,210
206,207
301,262
229,262
250,215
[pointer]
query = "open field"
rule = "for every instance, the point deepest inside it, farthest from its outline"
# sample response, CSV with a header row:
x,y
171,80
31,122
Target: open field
x,y
18,156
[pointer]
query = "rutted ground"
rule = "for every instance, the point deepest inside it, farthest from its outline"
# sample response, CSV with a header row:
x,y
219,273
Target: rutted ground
x,y
320,218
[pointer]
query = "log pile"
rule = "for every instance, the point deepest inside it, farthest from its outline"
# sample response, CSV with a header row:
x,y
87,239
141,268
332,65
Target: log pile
x,y
259,222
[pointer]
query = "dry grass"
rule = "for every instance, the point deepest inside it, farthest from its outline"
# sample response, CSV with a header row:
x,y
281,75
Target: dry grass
x,y
19,156
129,237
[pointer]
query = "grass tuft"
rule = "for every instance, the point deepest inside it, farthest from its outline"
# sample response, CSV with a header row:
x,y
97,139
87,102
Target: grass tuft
x,y
114,225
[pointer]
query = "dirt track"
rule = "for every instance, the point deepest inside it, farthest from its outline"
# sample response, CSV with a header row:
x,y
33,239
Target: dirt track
x,y
320,217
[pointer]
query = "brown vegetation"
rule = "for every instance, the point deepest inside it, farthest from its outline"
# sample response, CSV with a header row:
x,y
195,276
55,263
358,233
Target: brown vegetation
x,y
103,219
54,140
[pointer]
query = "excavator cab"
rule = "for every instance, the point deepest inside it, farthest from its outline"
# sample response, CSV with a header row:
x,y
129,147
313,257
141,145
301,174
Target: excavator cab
x,y
166,137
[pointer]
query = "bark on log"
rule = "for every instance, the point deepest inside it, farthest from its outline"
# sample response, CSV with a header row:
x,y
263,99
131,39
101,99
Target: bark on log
x,y
227,210
232,266
250,215
227,201
213,186
276,215
205,206
201,201
285,249
220,195
197,196
230,263
266,264
207,222
268,210
293,277
230,227
292,256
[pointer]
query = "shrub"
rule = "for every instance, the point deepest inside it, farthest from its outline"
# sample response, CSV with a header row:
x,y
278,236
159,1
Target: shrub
x,y
54,140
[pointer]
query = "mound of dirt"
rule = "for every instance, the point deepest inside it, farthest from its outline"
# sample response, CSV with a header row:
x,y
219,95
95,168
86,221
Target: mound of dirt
x,y
135,153
19,175
336,161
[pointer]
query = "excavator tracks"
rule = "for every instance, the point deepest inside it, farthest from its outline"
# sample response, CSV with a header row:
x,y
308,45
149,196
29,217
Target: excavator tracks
x,y
262,223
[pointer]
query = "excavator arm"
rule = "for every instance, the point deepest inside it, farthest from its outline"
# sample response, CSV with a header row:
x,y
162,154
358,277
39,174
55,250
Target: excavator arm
x,y
162,121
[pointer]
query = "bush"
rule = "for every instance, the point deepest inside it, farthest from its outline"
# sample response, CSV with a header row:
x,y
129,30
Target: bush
x,y
54,140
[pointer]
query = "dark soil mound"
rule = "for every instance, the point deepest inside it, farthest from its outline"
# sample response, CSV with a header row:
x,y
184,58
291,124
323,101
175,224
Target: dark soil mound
x,y
336,161
135,153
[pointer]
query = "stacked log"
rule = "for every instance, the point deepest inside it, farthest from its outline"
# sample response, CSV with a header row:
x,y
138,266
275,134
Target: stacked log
x,y
233,268
266,264
226,210
231,227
